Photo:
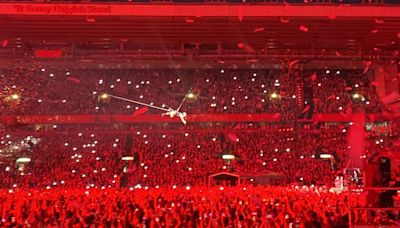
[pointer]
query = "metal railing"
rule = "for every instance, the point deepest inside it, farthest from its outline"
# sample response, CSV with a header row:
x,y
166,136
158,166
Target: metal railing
x,y
366,220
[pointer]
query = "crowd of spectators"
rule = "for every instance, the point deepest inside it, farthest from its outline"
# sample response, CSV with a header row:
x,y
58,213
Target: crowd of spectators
x,y
94,158
346,94
36,90
189,157
76,175
185,207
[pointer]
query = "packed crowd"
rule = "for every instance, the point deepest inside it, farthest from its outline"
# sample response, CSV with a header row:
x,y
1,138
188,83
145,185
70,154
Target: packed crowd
x,y
346,94
154,175
36,90
169,208
185,207
94,160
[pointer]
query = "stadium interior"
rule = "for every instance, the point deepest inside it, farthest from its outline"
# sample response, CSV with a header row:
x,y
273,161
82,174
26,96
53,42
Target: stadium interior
x,y
200,113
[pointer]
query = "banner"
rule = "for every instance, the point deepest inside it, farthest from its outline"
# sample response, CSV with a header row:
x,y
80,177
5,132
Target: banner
x,y
150,118
201,10
154,118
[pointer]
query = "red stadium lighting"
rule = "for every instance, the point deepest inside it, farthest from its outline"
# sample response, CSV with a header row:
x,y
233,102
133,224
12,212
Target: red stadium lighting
x,y
228,156
23,160
325,156
15,96
127,158
190,95
104,96
274,95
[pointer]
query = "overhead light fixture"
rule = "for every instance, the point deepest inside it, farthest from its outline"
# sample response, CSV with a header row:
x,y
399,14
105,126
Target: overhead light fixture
x,y
357,96
104,96
23,160
190,95
325,156
274,95
228,156
15,96
127,158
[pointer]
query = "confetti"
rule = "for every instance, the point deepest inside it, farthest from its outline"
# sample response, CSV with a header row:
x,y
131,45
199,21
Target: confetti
x,y
189,20
245,47
367,65
90,20
140,111
348,88
379,21
258,29
284,20
303,28
234,138
5,43
248,48
73,79
292,63
306,109
252,60
314,76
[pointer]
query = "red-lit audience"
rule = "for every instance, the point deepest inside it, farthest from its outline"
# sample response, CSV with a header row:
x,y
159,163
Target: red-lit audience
x,y
183,207
38,90
80,176
82,159
96,159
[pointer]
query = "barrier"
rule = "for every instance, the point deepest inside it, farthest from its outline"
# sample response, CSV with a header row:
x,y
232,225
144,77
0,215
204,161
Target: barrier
x,y
370,194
